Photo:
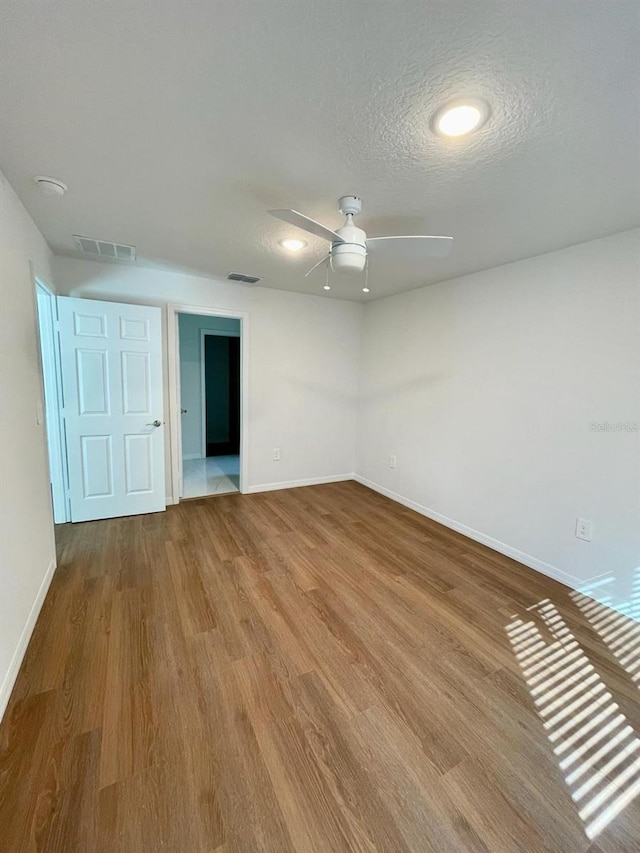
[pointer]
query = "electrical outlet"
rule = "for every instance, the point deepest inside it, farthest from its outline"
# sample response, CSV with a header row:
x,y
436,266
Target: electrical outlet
x,y
584,529
392,462
276,454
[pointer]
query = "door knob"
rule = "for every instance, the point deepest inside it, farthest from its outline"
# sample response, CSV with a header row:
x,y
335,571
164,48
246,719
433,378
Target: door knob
x,y
155,424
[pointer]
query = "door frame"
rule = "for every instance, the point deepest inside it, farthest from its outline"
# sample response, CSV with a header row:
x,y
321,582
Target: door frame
x,y
173,375
52,399
219,333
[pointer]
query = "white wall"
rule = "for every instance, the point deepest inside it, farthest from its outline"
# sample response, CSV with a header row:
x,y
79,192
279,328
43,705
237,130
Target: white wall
x,y
191,325
303,363
486,387
27,549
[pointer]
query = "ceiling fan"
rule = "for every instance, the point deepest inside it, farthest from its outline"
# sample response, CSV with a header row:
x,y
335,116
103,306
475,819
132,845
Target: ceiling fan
x,y
350,245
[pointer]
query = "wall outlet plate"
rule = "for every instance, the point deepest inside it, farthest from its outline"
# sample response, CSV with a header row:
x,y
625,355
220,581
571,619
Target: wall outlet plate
x,y
276,454
584,529
392,462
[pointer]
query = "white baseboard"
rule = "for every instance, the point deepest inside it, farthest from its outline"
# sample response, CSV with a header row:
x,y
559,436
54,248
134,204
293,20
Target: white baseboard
x,y
16,661
495,544
193,456
294,484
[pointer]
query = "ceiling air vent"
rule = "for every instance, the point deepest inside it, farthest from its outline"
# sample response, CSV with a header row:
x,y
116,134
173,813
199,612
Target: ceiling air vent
x,y
247,279
103,249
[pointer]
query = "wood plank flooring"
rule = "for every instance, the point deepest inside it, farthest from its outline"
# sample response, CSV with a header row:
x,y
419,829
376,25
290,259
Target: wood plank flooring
x,y
317,669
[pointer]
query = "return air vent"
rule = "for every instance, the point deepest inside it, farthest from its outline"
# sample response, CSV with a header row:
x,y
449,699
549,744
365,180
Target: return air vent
x,y
104,249
247,279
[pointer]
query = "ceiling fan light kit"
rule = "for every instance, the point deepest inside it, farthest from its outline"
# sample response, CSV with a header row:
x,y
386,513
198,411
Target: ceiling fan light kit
x,y
350,246
350,254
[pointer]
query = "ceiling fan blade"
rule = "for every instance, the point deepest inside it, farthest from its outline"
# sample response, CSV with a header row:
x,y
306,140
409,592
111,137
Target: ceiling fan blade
x,y
310,225
411,246
315,266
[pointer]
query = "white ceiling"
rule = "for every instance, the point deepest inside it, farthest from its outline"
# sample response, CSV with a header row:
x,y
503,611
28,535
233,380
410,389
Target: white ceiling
x,y
178,123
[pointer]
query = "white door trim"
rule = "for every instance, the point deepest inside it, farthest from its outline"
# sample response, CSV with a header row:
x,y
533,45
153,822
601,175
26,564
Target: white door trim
x,y
173,352
51,382
203,381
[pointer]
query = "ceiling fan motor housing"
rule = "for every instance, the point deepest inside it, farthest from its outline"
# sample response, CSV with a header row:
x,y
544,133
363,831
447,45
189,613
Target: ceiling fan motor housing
x,y
350,255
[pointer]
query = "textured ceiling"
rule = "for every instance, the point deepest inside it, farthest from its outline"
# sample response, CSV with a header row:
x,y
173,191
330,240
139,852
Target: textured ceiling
x,y
177,124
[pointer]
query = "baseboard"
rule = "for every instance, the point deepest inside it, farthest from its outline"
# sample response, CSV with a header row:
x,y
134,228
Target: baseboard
x,y
16,661
193,456
587,587
294,484
495,544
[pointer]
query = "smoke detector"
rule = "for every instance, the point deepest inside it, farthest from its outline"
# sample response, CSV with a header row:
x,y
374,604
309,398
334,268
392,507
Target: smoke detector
x,y
50,186
104,249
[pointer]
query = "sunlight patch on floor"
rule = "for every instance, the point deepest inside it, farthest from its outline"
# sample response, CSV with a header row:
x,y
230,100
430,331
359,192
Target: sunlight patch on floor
x,y
619,629
596,748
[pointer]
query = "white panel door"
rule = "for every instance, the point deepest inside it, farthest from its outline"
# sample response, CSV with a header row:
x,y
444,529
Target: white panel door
x,y
112,383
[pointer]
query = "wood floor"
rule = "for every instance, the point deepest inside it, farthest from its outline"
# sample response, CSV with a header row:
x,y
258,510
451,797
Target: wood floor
x,y
317,669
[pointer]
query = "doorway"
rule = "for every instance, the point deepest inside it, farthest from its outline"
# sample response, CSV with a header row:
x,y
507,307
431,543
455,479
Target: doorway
x,y
210,378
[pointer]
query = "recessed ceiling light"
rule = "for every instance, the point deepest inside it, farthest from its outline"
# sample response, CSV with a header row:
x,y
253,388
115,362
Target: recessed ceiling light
x,y
365,290
458,118
293,245
327,287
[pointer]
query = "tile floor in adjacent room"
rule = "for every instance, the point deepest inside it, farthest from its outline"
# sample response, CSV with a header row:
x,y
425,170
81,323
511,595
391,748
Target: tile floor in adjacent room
x,y
215,475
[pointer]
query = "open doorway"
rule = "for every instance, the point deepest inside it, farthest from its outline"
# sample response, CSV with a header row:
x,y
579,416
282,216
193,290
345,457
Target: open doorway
x,y
209,352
